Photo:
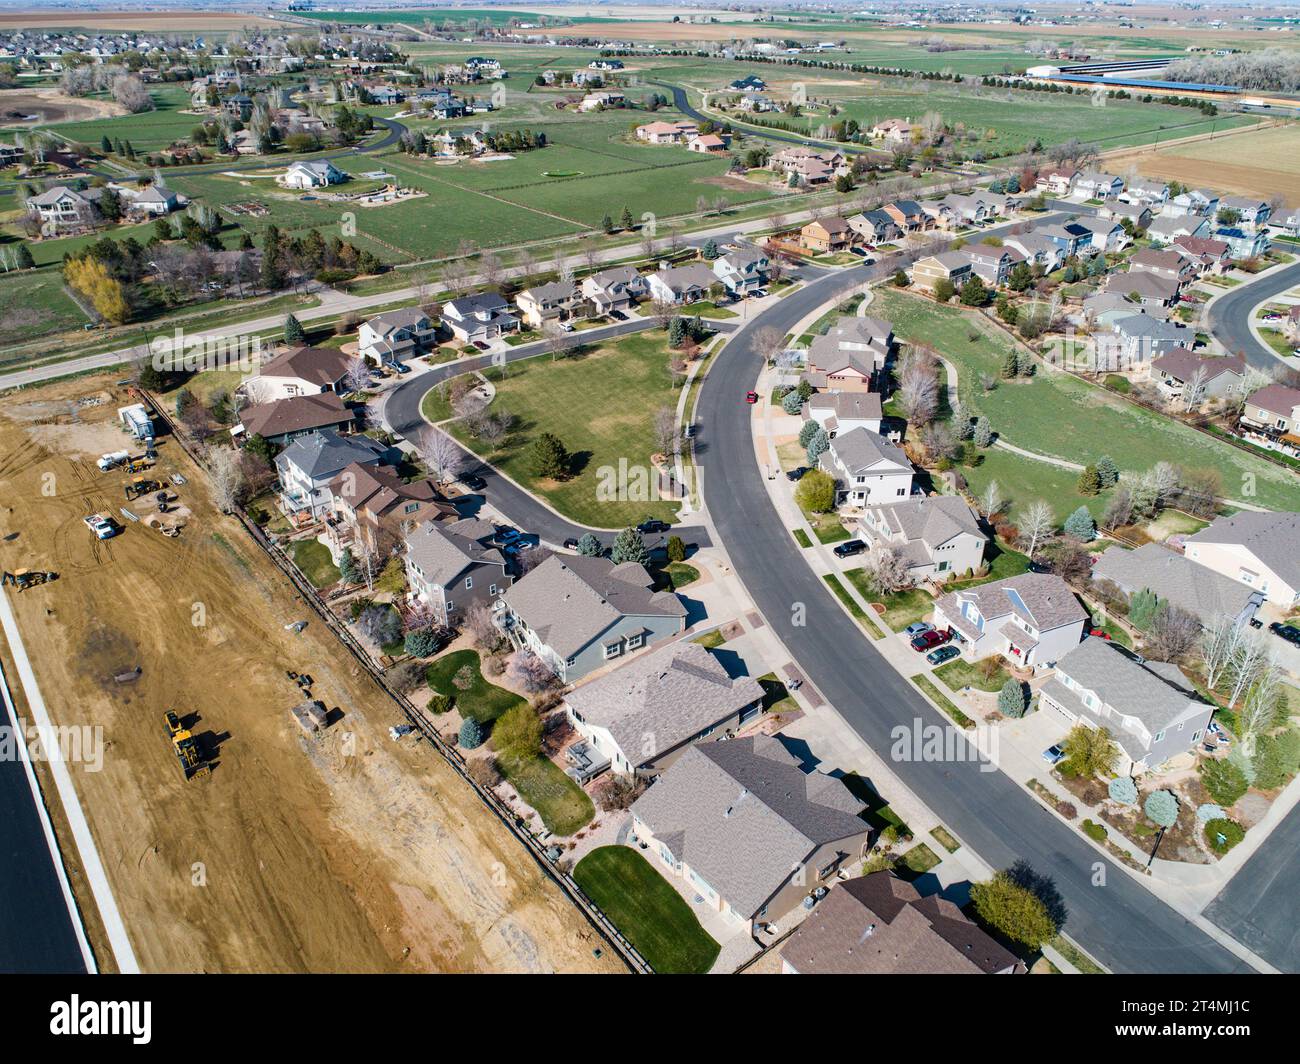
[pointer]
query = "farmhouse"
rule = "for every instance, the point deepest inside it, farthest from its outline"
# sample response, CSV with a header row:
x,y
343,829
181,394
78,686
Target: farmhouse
x,y
315,174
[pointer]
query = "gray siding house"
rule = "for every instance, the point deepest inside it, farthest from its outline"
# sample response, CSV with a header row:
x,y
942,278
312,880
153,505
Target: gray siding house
x,y
1150,708
939,536
450,567
1032,619
578,614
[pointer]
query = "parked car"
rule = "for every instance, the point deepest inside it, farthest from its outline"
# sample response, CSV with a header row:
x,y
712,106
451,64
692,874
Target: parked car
x,y
505,535
929,640
751,397
849,548
102,526
796,472
1053,754
474,483
653,524
570,544
1097,633
566,327
916,628
938,657
1289,632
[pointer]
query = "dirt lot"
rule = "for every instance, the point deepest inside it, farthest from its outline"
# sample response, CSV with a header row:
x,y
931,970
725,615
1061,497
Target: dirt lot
x,y
1258,163
349,852
16,105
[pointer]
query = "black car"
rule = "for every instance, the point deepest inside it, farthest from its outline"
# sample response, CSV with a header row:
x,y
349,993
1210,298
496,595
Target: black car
x,y
653,524
849,548
796,472
474,483
570,544
1289,632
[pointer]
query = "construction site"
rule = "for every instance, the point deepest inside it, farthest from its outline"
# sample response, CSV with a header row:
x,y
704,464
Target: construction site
x,y
240,827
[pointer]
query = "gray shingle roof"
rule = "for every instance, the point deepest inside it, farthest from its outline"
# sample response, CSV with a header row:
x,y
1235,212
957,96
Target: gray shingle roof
x,y
569,600
1274,538
933,519
745,816
443,553
658,701
1042,599
320,454
862,449
848,406
1174,578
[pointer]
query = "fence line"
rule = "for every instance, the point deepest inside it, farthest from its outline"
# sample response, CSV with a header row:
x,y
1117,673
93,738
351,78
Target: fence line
x,y
421,720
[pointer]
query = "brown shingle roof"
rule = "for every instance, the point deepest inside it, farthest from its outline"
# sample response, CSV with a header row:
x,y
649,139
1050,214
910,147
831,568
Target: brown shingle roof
x,y
298,413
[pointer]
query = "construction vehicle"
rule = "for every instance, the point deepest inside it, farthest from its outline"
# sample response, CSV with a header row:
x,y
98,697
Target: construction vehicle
x,y
22,579
112,460
193,763
139,486
139,463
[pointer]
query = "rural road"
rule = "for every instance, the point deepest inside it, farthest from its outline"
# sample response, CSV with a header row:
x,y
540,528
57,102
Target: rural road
x,y
1125,926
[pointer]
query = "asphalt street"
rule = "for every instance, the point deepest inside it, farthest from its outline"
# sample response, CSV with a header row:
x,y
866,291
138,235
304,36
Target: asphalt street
x,y
1229,316
1126,927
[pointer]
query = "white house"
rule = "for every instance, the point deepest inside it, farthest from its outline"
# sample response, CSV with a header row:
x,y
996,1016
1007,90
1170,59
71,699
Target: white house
x,y
615,289
743,270
867,468
681,284
840,412
937,536
1260,550
300,371
1032,619
395,335
479,318
315,174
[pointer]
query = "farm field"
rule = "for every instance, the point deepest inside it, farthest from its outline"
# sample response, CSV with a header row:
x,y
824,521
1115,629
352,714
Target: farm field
x,y
1065,417
1257,163
294,855
601,404
36,303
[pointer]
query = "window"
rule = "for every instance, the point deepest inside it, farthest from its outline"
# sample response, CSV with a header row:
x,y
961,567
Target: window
x,y
613,650
469,582
634,641
450,605
902,491
492,590
1159,736
411,507
569,662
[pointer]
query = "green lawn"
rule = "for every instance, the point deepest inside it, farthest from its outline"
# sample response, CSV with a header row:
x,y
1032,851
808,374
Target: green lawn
x,y
942,701
602,406
712,639
38,304
313,558
920,859
682,575
960,673
475,697
776,696
901,608
563,806
649,912
1066,417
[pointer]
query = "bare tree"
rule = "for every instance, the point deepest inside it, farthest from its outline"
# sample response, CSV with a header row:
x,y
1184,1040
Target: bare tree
x,y
554,340
442,453
665,426
357,377
990,499
769,342
889,570
1218,647
1173,633
481,625
1259,710
1249,660
1036,524
918,393
227,476
1194,390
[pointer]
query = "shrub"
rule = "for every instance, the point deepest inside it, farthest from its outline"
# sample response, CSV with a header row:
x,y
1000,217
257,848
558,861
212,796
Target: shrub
x,y
1094,831
484,772
1224,780
1011,699
421,643
1210,811
1122,789
816,492
1161,807
518,732
471,735
1231,832
1277,759
1014,910
676,549
791,403
440,704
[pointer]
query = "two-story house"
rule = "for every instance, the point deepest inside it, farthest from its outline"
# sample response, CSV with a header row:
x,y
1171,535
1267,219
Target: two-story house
x,y
556,301
1271,417
851,356
1032,619
823,235
578,613
743,270
951,266
1255,548
451,565
867,468
310,464
615,289
1136,340
283,420
396,335
937,536
1185,377
479,318
844,411
1150,708
642,716
874,227
372,505
1095,184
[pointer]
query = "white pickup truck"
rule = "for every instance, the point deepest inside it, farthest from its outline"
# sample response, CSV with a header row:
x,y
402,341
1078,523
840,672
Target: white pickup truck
x,y
102,526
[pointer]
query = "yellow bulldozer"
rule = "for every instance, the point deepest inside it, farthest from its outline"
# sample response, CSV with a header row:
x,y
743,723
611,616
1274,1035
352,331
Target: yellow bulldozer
x,y
193,763
139,486
22,579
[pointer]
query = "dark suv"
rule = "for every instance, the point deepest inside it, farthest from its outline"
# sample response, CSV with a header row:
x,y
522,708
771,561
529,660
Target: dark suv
x,y
1289,632
849,548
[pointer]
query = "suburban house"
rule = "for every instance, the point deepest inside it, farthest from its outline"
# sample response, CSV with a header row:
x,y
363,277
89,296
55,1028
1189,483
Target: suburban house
x,y
1169,229
641,717
1069,237
600,101
742,270
1105,308
1148,193
1037,249
1187,377
65,208
1144,286
1150,708
748,829
373,504
310,464
938,536
1137,340
1207,254
1271,417
812,167
1251,214
867,468
556,301
1168,263
851,356
749,83
878,924
1105,235
893,130
951,266
1135,214
1178,580
156,200
396,335
1194,201
578,613
681,284
1243,243
617,288
1031,619
315,174
707,144
667,132
479,318
874,227
450,566
1057,182
965,210
838,412
1257,549
907,215
990,264
756,104
826,234
1097,185
1285,222
300,371
282,420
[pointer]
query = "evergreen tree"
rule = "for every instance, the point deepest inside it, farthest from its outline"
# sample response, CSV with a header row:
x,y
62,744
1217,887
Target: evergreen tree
x,y
1010,364
348,567
1107,471
293,331
626,221
809,430
472,734
589,546
710,251
982,434
25,260
606,224
817,446
1089,482
1011,699
105,145
550,458
973,293
677,331
629,546
1080,525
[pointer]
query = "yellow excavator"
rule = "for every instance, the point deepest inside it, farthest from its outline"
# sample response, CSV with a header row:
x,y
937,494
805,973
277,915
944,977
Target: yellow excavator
x,y
193,763
22,579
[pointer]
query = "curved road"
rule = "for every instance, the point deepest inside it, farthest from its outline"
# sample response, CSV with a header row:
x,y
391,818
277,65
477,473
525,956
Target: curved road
x,y
1122,924
1229,316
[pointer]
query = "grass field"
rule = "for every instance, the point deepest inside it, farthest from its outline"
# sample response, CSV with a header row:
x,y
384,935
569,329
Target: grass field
x,y
601,405
1059,415
147,131
653,916
37,303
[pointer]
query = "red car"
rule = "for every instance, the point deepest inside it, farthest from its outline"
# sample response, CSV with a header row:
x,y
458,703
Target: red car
x,y
926,641
751,397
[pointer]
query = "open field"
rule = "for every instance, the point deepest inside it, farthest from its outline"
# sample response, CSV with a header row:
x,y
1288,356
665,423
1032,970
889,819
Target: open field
x,y
1055,414
601,404
1259,163
138,21
147,131
347,852
36,303
17,106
